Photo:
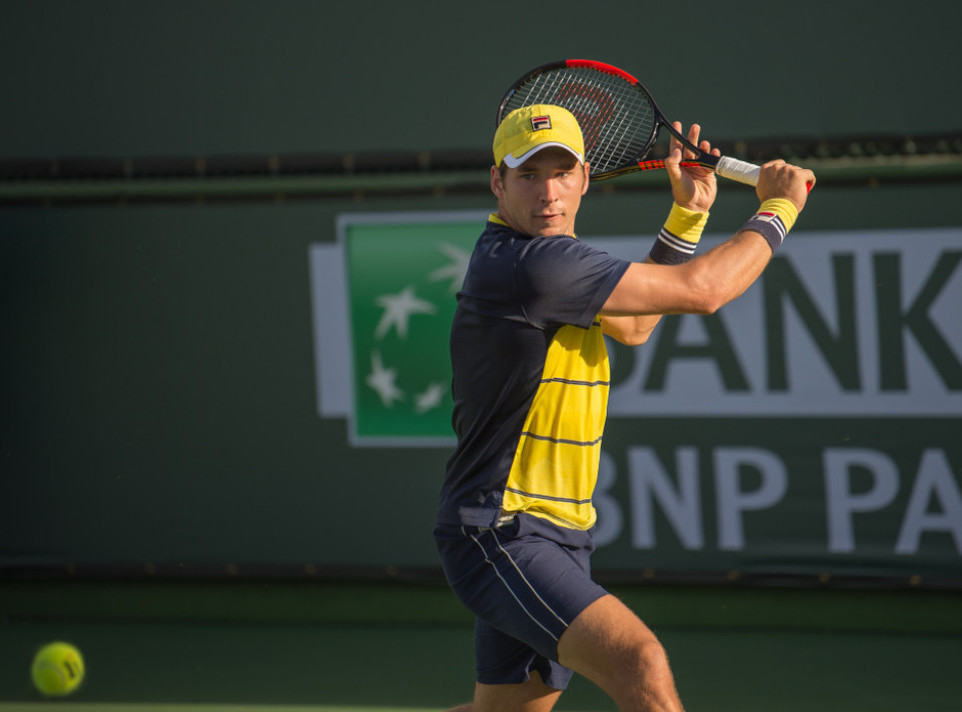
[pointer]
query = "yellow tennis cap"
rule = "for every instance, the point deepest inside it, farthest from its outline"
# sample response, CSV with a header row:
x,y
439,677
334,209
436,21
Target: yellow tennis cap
x,y
527,130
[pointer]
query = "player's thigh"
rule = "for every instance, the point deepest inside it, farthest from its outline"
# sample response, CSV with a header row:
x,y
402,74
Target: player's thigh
x,y
530,696
611,646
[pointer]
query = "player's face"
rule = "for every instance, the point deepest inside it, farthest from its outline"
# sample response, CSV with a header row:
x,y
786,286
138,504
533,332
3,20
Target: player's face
x,y
541,197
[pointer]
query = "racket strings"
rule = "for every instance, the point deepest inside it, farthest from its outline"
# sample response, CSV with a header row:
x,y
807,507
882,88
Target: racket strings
x,y
617,119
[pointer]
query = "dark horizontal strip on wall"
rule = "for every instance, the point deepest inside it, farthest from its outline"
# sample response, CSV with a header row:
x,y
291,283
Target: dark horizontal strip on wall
x,y
240,166
27,169
211,571
864,160
429,602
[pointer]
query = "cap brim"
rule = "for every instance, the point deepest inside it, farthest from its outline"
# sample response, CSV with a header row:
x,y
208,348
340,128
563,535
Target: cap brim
x,y
512,162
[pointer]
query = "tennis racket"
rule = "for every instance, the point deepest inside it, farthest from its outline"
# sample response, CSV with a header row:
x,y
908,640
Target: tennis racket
x,y
618,117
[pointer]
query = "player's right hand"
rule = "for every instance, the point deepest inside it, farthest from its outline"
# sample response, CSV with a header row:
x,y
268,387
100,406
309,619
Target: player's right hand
x,y
692,187
778,179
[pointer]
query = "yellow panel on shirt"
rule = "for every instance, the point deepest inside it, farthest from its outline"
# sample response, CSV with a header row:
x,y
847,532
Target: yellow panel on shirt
x,y
556,463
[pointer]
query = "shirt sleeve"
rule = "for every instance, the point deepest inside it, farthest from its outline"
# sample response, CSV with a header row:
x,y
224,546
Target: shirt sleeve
x,y
562,280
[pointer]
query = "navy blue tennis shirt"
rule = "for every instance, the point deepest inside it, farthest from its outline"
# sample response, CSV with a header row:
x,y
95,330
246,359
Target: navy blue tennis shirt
x,y
530,380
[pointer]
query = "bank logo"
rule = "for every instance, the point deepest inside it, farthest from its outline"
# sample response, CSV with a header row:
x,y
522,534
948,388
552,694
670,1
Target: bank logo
x,y
401,277
855,324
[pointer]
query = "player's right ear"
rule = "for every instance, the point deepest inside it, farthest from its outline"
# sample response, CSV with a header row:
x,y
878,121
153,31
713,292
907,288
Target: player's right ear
x,y
497,182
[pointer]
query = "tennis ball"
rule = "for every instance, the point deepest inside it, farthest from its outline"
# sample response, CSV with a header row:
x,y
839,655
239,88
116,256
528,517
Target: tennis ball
x,y
58,669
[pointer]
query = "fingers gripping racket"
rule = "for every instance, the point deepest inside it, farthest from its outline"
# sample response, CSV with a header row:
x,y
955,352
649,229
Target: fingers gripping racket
x,y
617,115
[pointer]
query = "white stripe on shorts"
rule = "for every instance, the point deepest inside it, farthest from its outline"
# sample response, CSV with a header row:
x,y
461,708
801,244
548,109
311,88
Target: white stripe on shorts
x,y
524,578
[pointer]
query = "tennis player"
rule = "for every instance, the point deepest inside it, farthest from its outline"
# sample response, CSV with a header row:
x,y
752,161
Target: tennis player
x,y
530,385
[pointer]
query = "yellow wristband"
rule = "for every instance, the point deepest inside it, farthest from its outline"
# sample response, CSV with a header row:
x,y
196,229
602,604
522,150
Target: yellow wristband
x,y
773,220
782,207
679,237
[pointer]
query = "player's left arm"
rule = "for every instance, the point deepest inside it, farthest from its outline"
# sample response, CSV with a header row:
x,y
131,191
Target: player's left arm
x,y
630,330
693,190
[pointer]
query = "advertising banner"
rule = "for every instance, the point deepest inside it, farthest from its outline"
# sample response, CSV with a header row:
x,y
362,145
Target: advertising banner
x,y
811,426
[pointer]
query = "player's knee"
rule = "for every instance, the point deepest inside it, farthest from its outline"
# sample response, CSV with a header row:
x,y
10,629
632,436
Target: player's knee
x,y
648,658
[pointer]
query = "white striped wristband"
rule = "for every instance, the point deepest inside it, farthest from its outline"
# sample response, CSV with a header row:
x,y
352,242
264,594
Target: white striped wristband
x,y
775,217
679,237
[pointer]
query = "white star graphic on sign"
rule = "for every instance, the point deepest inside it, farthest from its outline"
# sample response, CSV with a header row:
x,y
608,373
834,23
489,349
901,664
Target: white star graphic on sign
x,y
382,381
431,398
398,309
455,270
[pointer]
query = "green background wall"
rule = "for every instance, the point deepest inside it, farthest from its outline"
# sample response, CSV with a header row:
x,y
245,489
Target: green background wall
x,y
157,383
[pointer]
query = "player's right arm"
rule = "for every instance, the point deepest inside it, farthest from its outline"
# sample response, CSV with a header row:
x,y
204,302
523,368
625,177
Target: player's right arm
x,y
706,283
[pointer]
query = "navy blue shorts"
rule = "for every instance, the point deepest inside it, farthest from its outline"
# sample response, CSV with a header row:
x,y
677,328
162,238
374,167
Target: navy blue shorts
x,y
524,588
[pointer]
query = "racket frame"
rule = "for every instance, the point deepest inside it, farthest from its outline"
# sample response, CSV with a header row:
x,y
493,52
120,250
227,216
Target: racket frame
x,y
723,165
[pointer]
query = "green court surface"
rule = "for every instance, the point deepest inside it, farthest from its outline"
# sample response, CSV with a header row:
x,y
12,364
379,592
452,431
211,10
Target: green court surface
x,y
94,707
392,647
88,707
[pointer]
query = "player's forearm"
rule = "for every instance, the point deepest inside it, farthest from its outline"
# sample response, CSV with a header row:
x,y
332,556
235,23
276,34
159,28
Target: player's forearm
x,y
701,286
722,274
733,266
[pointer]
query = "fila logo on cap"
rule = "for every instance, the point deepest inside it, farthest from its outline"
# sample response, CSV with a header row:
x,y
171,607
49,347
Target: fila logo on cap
x,y
540,122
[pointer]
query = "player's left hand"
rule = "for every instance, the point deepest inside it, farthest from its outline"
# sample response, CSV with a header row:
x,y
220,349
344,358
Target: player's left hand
x,y
692,187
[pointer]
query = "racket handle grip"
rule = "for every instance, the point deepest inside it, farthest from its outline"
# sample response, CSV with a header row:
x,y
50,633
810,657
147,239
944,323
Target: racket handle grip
x,y
740,171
